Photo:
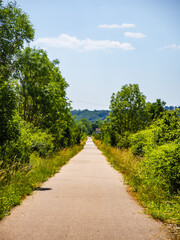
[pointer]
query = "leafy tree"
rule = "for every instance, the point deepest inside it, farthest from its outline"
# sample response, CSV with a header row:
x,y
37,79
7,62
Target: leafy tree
x,y
85,126
106,132
42,95
155,109
169,128
96,125
163,130
127,111
35,111
15,29
35,75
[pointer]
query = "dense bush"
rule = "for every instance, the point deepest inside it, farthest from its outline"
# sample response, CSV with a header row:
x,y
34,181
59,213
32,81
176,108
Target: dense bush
x,y
37,140
97,136
31,139
162,131
140,141
123,141
169,128
162,166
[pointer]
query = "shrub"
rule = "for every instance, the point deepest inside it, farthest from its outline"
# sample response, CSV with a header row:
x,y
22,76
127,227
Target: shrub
x,y
168,128
140,142
34,139
162,131
123,140
97,136
161,167
31,139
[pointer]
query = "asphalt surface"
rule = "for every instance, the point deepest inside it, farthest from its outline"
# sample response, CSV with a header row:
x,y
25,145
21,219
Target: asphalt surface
x,y
86,200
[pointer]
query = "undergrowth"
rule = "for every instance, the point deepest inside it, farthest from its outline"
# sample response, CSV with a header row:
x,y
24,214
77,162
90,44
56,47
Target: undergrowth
x,y
151,191
16,182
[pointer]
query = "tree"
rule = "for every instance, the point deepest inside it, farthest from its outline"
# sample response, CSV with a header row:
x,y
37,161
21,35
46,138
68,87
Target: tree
x,y
155,109
15,29
35,76
127,111
86,126
42,95
32,93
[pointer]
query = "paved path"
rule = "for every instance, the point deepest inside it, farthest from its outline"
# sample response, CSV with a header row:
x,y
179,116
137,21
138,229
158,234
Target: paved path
x,y
85,201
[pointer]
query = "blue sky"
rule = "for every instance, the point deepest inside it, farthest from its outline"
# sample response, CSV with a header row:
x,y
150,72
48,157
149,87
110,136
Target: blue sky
x,y
104,44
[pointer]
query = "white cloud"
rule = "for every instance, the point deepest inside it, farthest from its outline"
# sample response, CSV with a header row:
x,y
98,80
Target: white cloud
x,y
115,26
71,42
134,35
172,46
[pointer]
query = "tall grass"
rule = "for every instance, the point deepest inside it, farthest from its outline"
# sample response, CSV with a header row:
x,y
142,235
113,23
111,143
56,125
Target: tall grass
x,y
16,182
149,191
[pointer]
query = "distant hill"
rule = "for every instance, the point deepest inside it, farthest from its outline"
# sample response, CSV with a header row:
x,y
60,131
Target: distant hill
x,y
95,115
171,107
92,116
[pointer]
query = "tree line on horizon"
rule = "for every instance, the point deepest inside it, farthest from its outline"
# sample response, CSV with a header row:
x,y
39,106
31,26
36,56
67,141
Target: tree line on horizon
x,y
90,115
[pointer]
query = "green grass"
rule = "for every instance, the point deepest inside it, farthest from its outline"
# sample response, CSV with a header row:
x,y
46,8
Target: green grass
x,y
149,192
16,184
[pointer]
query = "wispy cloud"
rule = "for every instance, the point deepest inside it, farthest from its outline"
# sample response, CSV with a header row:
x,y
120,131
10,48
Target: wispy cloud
x,y
172,46
116,26
134,35
71,42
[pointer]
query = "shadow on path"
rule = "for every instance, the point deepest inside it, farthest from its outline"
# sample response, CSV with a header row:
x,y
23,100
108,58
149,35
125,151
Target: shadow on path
x,y
43,189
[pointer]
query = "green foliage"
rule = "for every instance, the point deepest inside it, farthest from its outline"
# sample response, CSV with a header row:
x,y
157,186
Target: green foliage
x,y
128,109
142,140
123,141
96,125
32,89
107,135
130,114
92,116
42,97
42,93
30,139
15,29
169,128
162,131
155,109
85,126
9,129
35,140
162,165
